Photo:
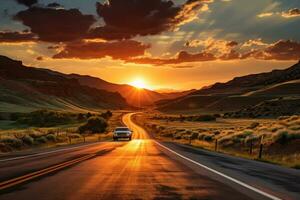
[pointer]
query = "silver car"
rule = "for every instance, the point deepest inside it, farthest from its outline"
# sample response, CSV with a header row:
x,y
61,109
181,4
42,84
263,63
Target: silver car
x,y
122,132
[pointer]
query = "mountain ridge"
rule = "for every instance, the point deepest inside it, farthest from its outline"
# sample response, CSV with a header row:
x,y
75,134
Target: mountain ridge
x,y
34,87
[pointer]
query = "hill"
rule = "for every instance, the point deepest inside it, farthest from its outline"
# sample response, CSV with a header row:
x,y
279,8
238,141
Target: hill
x,y
25,89
135,97
241,93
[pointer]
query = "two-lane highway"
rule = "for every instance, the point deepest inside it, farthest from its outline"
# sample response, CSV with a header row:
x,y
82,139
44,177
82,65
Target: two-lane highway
x,y
139,169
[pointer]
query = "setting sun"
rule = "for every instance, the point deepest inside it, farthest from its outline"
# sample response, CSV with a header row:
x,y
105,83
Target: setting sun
x,y
139,83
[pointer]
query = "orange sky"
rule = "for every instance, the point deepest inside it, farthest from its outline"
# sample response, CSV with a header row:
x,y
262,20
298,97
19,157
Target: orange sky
x,y
175,44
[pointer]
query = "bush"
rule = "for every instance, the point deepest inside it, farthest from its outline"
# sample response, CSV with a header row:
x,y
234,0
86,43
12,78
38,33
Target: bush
x,y
80,117
194,135
205,118
44,118
106,115
285,137
13,142
41,139
208,138
51,137
94,125
28,140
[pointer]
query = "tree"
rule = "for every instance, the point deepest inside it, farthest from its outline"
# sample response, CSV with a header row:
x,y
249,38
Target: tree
x,y
94,125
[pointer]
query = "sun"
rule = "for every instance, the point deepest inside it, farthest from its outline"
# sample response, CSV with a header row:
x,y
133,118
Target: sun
x,y
139,83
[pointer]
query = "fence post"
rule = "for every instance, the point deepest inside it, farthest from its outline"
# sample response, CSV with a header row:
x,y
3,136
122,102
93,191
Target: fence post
x,y
261,148
70,140
190,140
216,145
251,147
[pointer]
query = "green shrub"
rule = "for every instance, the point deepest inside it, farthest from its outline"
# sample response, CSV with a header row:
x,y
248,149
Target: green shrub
x,y
284,137
208,138
28,140
94,125
44,118
51,137
13,142
41,139
244,134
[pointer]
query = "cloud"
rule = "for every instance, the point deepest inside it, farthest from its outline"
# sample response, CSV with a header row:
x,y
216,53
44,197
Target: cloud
x,y
212,45
254,42
126,19
54,5
268,14
56,25
181,57
280,50
27,3
14,37
123,50
295,12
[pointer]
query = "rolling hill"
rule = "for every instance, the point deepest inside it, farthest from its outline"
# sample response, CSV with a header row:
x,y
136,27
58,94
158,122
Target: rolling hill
x,y
135,97
241,93
24,89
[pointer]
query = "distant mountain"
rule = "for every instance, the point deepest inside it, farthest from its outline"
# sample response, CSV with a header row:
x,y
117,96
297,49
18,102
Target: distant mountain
x,y
135,97
240,92
26,88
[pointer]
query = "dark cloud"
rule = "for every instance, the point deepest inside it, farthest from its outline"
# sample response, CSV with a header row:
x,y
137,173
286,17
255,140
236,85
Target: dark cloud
x,y
181,57
56,25
232,55
27,2
124,50
232,44
281,50
295,12
54,5
11,37
126,19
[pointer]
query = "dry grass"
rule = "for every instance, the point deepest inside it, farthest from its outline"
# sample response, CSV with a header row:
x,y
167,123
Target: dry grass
x,y
280,137
25,138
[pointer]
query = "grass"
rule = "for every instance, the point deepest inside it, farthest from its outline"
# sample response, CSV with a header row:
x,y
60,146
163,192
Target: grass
x,y
17,138
280,137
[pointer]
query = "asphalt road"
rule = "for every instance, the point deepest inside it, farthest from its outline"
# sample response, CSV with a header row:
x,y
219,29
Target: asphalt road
x,y
142,169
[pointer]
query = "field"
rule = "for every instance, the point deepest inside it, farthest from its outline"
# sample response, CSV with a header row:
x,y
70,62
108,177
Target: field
x,y
280,138
19,135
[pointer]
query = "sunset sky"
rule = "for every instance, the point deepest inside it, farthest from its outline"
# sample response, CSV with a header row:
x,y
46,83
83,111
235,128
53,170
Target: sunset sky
x,y
178,44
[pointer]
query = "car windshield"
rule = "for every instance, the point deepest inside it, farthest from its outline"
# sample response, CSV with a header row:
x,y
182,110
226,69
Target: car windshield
x,y
122,129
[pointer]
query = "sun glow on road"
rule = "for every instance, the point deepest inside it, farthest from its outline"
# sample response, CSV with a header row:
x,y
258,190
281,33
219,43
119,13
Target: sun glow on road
x,y
139,83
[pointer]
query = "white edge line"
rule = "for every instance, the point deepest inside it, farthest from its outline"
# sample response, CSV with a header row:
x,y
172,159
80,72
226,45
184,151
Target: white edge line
x,y
221,174
45,153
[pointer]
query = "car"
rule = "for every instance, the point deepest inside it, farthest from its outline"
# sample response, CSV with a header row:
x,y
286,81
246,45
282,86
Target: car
x,y
122,132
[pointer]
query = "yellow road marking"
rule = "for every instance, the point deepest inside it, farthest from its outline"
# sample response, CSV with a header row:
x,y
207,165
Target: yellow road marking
x,y
30,176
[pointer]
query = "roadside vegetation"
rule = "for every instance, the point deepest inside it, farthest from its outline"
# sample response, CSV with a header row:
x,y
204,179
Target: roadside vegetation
x,y
46,128
280,138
